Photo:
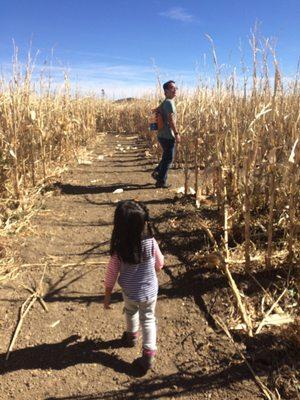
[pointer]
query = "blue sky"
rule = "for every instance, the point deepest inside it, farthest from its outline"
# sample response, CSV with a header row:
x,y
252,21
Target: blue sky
x,y
111,44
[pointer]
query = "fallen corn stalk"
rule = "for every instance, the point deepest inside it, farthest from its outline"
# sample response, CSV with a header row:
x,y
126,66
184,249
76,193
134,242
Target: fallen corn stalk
x,y
24,310
26,306
267,392
263,322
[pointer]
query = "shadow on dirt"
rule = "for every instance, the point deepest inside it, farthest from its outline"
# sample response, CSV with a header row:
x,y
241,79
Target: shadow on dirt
x,y
94,250
133,163
78,222
146,202
96,189
185,382
185,239
181,237
70,351
59,290
81,298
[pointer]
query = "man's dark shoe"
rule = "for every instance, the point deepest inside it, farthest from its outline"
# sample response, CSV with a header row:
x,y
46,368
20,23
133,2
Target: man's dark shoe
x,y
162,185
154,175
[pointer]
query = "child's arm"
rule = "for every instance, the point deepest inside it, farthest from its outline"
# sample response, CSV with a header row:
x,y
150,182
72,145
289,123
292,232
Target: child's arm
x,y
159,258
112,272
106,301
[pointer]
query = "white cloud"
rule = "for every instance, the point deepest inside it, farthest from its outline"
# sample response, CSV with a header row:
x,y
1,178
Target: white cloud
x,y
117,80
124,80
179,14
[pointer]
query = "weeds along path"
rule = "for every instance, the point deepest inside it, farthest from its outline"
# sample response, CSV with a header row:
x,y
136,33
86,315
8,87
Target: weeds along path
x,y
72,351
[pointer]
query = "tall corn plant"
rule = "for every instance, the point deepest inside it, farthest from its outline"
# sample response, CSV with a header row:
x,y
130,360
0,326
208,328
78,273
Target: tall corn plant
x,y
39,129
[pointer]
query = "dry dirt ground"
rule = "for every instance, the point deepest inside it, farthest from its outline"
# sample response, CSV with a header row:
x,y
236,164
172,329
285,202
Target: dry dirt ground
x,y
73,351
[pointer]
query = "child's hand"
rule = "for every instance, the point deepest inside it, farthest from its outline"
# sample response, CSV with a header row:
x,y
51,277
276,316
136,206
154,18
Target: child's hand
x,y
106,303
107,306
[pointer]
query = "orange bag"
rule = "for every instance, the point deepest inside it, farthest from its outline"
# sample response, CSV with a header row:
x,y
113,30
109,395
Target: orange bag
x,y
152,121
159,118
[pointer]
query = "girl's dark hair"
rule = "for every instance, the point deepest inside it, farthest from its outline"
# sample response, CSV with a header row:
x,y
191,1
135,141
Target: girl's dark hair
x,y
130,220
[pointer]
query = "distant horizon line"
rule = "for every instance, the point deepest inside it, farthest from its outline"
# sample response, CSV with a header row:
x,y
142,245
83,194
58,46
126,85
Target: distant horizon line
x,y
122,81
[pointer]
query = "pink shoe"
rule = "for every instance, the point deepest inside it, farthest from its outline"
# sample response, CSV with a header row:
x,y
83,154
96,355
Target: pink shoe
x,y
146,362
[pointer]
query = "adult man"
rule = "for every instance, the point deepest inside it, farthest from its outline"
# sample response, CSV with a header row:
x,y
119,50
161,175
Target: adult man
x,y
167,136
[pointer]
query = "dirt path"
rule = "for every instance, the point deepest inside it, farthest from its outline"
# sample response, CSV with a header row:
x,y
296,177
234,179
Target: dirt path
x,y
73,352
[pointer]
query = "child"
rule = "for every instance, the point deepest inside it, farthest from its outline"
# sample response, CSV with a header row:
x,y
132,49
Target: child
x,y
135,258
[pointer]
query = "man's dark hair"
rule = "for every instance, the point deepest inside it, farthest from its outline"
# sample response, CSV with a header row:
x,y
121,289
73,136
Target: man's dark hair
x,y
167,84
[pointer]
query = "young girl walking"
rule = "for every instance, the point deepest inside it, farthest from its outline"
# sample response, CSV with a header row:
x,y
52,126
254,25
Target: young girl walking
x,y
135,259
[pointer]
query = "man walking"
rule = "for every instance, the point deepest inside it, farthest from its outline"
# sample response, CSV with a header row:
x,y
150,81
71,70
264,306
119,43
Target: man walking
x,y
167,135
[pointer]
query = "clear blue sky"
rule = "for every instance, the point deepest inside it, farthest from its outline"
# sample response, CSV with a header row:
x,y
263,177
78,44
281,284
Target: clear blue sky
x,y
110,44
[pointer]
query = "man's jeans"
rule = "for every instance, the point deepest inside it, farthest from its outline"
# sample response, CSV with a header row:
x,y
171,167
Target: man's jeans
x,y
143,312
168,147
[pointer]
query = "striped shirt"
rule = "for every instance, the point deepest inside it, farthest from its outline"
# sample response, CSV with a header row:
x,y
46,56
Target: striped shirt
x,y
138,281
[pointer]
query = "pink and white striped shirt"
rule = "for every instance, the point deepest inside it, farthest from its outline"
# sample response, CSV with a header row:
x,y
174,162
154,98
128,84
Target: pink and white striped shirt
x,y
138,281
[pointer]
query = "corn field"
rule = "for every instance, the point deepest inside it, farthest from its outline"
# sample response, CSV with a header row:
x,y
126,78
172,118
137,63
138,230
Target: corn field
x,y
241,143
243,148
240,148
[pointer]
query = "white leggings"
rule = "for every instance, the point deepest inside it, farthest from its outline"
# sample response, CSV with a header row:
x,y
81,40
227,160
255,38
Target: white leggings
x,y
143,312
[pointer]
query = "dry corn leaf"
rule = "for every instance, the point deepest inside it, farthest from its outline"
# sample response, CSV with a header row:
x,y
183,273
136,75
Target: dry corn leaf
x,y
120,190
12,153
180,190
278,319
84,162
32,115
272,156
295,153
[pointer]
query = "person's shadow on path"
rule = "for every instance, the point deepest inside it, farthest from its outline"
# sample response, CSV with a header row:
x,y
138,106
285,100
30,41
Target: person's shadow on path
x,y
69,352
68,189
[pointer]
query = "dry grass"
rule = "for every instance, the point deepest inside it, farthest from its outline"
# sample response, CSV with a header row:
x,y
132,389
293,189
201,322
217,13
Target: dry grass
x,y
245,139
